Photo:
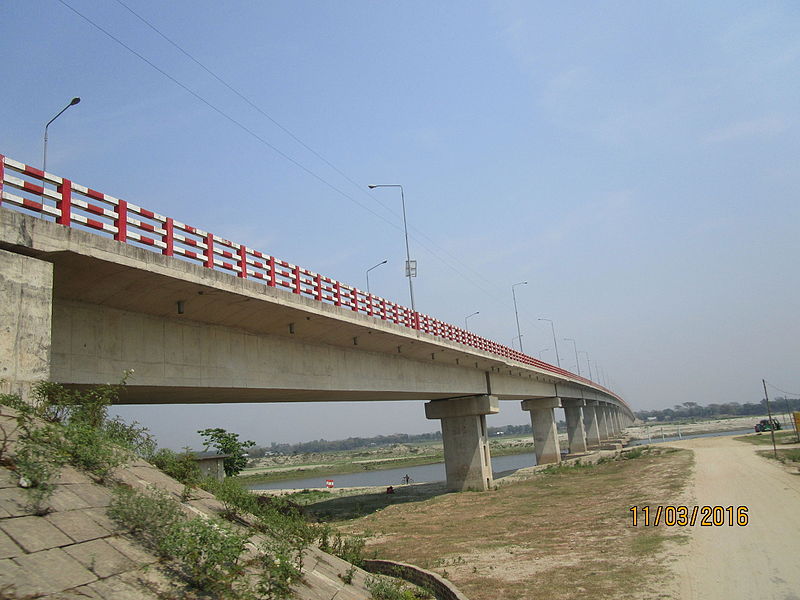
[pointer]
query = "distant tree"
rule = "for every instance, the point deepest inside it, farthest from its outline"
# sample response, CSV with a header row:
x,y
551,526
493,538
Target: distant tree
x,y
227,443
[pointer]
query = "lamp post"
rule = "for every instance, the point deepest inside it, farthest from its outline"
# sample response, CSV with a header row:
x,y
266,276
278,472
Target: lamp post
x,y
516,312
542,351
375,267
405,229
466,326
588,364
575,347
73,102
555,343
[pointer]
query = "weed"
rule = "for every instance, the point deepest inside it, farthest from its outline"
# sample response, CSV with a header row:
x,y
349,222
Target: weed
x,y
38,461
636,453
384,588
180,466
148,515
206,552
347,576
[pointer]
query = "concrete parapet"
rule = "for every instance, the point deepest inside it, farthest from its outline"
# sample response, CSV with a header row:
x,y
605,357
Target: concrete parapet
x,y
466,446
543,424
26,307
441,587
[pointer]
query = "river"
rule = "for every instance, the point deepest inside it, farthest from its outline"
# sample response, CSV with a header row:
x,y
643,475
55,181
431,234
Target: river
x,y
387,477
435,472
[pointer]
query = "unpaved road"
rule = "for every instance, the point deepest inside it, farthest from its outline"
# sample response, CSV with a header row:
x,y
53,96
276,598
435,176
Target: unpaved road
x,y
759,561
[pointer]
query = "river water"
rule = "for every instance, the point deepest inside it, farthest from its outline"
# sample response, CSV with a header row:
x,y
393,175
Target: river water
x,y
435,472
387,477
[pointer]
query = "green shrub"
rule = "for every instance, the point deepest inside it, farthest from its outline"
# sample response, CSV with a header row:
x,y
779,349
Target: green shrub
x,y
281,565
384,588
148,515
206,552
90,448
181,466
136,438
39,458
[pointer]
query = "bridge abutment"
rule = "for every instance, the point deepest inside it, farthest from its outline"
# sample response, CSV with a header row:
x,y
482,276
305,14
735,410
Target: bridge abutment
x,y
543,424
466,446
576,434
26,314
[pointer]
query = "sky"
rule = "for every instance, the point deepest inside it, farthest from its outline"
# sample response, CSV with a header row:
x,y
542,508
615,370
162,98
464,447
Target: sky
x,y
636,163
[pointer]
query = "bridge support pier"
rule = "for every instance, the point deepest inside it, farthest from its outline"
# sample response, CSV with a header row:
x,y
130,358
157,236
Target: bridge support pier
x,y
602,422
466,446
615,418
26,309
543,423
591,422
576,434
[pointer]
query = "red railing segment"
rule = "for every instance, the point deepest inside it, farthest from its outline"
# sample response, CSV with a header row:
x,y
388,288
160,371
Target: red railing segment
x,y
128,223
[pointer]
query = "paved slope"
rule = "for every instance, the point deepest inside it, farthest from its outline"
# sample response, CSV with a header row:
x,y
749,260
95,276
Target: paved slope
x,y
77,552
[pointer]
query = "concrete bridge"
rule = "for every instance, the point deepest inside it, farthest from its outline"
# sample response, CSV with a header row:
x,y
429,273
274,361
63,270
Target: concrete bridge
x,y
92,285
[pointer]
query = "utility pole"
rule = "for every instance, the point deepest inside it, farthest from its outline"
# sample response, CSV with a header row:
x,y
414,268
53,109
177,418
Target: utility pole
x,y
769,414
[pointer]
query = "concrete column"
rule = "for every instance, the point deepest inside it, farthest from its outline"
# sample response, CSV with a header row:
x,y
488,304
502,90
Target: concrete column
x,y
466,446
590,421
617,422
26,315
602,422
543,423
576,434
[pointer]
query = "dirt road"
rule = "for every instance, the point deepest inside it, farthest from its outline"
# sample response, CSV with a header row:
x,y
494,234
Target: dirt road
x,y
760,560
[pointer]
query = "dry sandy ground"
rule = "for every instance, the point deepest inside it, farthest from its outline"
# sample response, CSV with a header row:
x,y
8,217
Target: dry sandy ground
x,y
760,560
655,429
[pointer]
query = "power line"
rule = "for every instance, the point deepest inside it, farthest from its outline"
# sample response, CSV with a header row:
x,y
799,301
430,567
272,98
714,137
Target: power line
x,y
436,254
260,138
286,130
782,391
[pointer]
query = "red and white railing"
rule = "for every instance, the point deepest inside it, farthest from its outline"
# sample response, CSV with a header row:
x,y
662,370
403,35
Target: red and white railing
x,y
45,195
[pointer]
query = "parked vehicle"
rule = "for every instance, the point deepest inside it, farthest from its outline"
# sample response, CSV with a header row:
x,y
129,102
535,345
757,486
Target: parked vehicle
x,y
765,425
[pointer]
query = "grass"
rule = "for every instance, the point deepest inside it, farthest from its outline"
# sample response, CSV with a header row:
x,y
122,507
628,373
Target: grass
x,y
785,455
567,530
765,439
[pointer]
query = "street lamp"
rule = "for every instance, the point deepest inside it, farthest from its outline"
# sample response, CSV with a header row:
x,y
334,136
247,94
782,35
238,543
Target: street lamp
x,y
588,364
375,267
555,343
405,228
72,102
516,312
542,351
575,347
466,326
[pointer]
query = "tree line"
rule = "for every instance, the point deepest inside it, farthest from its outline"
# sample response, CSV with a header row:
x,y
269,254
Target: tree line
x,y
716,410
353,443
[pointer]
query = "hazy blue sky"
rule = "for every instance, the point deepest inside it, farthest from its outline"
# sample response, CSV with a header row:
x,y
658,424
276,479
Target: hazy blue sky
x,y
636,162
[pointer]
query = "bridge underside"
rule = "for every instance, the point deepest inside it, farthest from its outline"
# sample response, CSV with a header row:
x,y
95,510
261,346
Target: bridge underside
x,y
83,309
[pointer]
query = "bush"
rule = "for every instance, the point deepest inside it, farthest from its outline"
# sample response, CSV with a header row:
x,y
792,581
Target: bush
x,y
91,449
148,515
206,551
385,588
39,458
181,466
